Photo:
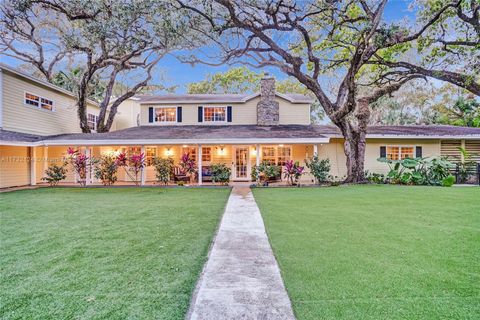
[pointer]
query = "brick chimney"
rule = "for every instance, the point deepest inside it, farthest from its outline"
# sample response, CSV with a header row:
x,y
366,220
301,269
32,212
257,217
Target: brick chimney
x,y
267,107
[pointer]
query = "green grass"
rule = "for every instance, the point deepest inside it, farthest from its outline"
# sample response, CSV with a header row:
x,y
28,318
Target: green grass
x,y
377,252
119,253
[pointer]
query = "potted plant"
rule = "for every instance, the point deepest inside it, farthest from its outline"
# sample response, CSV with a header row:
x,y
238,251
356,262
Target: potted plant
x,y
188,166
264,172
293,172
221,173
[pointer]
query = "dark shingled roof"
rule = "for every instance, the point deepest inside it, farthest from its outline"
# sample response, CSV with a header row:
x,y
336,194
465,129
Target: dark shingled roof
x,y
213,98
211,132
222,132
18,137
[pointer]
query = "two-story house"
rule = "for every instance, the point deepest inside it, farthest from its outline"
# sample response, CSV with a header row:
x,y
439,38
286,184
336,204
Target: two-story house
x,y
240,131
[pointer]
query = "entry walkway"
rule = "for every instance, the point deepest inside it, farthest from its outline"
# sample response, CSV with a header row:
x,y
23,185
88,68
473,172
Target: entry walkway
x,y
241,279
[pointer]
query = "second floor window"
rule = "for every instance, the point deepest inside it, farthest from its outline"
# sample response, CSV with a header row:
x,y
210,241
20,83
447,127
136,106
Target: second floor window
x,y
166,114
215,114
92,121
38,102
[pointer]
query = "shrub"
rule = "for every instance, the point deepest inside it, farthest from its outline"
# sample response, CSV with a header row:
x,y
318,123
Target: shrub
x,y
55,174
163,169
378,178
133,165
264,172
319,168
448,181
293,171
105,169
79,163
420,171
221,173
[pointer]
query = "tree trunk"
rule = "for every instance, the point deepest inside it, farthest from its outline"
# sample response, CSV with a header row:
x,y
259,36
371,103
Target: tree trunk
x,y
355,142
82,115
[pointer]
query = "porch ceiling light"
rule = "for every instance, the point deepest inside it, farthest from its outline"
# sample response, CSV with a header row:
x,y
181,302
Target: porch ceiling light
x,y
168,152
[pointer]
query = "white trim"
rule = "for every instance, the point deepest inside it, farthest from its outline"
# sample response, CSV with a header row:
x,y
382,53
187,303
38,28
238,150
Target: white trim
x,y
33,166
210,122
164,122
199,164
39,102
414,137
1,98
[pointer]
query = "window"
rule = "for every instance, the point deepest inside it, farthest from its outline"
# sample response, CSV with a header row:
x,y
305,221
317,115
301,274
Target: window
x,y
214,114
166,114
206,154
190,150
284,154
92,121
276,155
400,153
150,153
38,102
268,155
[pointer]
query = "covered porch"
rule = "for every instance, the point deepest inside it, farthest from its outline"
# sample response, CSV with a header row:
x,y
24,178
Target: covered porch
x,y
240,158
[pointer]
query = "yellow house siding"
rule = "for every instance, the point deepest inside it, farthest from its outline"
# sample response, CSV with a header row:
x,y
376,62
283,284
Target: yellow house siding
x,y
127,114
17,116
14,166
242,113
335,152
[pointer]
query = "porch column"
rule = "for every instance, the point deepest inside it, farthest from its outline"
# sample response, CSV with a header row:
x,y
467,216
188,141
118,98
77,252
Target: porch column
x,y
144,170
315,149
89,166
199,155
257,156
33,167
45,160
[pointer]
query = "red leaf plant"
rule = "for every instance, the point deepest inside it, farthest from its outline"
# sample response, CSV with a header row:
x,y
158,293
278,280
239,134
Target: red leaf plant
x,y
133,165
293,171
188,166
80,163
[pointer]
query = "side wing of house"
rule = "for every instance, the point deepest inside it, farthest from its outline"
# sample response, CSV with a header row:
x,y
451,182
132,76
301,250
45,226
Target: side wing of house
x,y
31,106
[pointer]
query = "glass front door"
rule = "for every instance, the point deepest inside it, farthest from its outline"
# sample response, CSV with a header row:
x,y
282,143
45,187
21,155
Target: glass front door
x,y
241,163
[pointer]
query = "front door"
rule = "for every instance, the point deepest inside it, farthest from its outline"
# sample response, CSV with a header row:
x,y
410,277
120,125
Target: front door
x,y
242,164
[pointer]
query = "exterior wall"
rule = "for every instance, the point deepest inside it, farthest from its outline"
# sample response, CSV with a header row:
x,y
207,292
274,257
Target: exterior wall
x,y
14,166
242,114
334,152
128,114
19,117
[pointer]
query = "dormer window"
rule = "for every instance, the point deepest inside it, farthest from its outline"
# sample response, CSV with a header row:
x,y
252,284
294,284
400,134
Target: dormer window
x,y
36,101
215,114
166,114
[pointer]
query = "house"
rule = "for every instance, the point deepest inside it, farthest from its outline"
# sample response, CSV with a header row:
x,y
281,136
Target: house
x,y
38,123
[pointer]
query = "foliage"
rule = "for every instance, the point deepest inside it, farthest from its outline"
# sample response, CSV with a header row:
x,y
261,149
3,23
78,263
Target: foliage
x,y
264,172
105,168
54,174
419,171
221,173
241,80
319,168
378,178
293,171
465,165
464,112
79,162
187,163
133,165
163,169
448,181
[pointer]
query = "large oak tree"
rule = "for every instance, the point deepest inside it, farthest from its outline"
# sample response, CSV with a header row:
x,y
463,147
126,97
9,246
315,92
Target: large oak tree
x,y
345,52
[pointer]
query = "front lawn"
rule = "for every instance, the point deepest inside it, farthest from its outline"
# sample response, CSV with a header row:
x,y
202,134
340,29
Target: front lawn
x,y
377,252
104,253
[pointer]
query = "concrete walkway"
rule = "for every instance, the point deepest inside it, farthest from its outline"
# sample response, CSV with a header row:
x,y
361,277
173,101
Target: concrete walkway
x,y
241,279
